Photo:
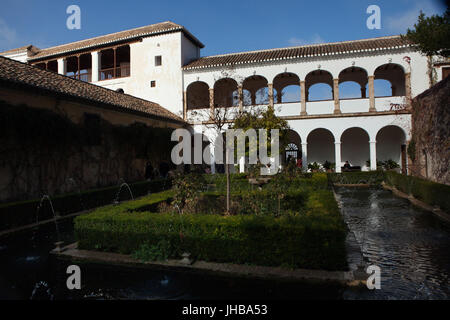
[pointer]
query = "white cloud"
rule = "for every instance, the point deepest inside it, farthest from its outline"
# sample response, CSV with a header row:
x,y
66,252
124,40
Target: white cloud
x,y
8,36
300,42
401,22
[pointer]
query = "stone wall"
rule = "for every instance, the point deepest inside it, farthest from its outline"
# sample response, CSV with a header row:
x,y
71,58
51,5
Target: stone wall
x,y
48,147
430,143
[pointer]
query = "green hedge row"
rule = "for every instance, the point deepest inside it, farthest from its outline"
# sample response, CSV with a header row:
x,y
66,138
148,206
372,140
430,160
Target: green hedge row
x,y
432,193
369,177
315,240
21,213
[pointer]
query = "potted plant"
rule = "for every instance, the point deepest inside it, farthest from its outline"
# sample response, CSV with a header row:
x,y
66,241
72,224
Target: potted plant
x,y
391,165
329,166
314,167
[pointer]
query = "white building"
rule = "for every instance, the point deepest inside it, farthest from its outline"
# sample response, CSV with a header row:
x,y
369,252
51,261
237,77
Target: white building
x,y
162,63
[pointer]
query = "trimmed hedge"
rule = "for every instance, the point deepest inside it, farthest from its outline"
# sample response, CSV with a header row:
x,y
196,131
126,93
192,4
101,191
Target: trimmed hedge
x,y
369,177
21,213
314,240
432,193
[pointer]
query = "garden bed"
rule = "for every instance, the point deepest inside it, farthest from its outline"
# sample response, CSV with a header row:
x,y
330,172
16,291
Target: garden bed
x,y
308,233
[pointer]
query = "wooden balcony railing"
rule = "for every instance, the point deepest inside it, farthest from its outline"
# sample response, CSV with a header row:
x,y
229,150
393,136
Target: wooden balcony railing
x,y
87,77
113,73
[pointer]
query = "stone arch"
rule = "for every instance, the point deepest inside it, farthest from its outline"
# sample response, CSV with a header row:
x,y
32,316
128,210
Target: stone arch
x,y
392,73
321,92
257,86
225,92
197,95
347,80
355,147
320,147
391,144
288,84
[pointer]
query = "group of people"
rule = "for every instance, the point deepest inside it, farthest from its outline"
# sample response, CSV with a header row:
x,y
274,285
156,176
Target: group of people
x,y
298,162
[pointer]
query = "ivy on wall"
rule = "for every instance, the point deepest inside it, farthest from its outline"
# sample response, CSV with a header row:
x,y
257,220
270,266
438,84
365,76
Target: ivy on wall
x,y
42,151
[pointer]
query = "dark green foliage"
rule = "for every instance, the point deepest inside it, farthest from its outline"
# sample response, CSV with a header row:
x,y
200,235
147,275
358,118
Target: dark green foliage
x,y
370,177
156,252
315,239
432,193
432,34
24,212
412,150
186,189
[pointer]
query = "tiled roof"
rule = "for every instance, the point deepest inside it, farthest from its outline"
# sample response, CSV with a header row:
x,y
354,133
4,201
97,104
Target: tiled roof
x,y
132,34
21,74
29,48
325,49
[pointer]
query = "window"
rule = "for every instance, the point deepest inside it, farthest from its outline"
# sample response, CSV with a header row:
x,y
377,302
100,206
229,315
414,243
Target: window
x,y
152,83
158,60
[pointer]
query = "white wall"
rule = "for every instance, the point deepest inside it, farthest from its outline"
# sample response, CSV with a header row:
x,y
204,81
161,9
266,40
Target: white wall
x,y
174,49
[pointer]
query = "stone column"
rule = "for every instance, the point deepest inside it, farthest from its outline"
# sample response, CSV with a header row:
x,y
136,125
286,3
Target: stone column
x,y
95,55
241,98
270,88
373,155
62,65
408,89
184,105
303,98
337,156
211,101
363,92
337,107
304,156
279,94
371,94
253,97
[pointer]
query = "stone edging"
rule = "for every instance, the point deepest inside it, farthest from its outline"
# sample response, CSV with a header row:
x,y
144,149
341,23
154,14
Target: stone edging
x,y
71,252
437,211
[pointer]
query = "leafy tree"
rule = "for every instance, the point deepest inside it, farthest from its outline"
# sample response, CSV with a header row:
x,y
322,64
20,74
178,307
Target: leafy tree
x,y
259,119
432,34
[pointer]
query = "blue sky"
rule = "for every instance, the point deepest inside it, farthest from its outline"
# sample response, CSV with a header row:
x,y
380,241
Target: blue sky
x,y
223,26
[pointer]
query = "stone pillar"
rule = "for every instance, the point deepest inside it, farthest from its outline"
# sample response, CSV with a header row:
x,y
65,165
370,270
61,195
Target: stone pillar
x,y
270,88
337,107
211,101
303,97
371,94
363,92
279,94
95,55
337,156
373,155
240,98
304,156
408,89
184,105
253,97
62,65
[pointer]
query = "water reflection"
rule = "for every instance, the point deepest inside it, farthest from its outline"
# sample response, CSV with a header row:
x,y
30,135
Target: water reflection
x,y
411,246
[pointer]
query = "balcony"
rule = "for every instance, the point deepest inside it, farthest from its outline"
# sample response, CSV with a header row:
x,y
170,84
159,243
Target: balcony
x,y
113,73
